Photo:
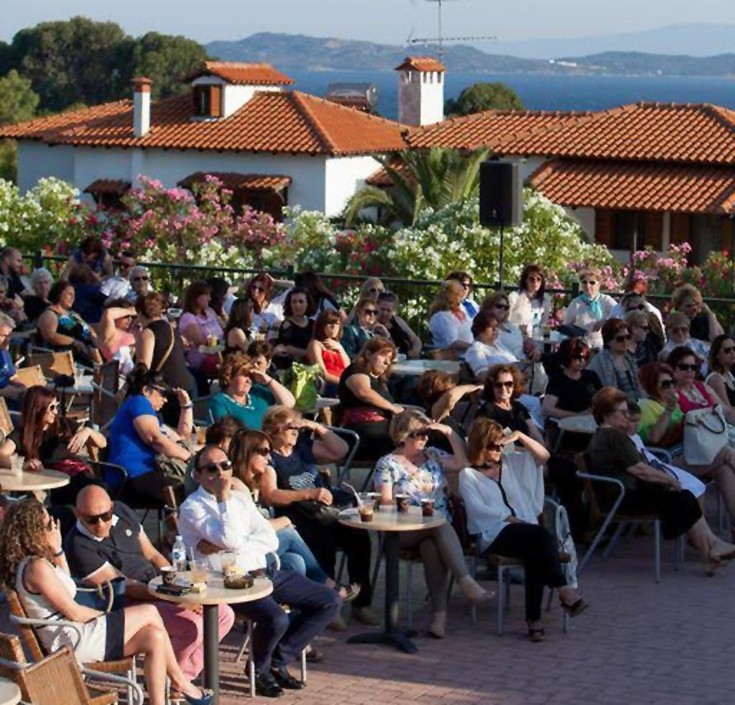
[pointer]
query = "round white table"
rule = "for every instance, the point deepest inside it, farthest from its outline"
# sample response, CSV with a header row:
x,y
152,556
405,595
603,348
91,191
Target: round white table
x,y
417,367
391,523
584,423
9,692
216,594
32,481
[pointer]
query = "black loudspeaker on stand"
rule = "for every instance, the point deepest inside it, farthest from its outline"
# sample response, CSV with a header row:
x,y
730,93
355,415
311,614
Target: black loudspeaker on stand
x,y
501,200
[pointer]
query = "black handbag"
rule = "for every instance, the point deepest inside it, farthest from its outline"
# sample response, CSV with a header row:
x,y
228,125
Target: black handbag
x,y
310,509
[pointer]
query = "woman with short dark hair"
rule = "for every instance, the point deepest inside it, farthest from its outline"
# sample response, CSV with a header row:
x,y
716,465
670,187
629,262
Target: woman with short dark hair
x,y
530,306
295,333
614,365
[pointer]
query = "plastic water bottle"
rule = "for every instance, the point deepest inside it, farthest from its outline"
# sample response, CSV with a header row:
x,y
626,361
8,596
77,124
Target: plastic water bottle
x,y
178,555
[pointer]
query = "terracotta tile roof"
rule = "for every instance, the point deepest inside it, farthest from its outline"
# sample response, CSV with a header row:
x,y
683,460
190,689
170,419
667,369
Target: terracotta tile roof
x,y
276,122
242,73
638,186
382,179
116,187
488,128
421,63
699,133
235,181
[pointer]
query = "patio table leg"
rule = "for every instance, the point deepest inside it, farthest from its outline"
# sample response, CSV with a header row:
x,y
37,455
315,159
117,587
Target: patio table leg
x,y
211,650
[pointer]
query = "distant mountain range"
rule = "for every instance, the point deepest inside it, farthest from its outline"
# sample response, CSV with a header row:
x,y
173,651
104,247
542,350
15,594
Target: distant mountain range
x,y
299,52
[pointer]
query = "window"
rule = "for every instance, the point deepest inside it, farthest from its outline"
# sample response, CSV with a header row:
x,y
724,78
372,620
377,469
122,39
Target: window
x,y
208,101
629,230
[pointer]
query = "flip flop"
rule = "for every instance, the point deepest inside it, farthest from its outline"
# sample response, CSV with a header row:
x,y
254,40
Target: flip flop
x,y
536,635
576,608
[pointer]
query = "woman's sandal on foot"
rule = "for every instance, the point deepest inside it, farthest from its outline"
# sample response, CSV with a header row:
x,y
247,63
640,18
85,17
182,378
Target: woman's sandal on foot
x,y
347,592
537,634
576,608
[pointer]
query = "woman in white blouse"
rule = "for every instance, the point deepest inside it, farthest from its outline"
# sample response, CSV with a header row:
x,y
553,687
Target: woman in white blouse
x,y
530,306
450,326
503,493
591,308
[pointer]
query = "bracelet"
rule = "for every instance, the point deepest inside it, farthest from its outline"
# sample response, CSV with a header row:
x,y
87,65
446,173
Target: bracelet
x,y
187,406
60,553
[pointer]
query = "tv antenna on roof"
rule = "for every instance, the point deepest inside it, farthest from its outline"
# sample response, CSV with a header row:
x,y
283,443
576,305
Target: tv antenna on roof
x,y
440,38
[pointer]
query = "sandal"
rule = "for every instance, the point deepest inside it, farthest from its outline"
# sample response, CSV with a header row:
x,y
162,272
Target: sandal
x,y
348,592
575,608
536,635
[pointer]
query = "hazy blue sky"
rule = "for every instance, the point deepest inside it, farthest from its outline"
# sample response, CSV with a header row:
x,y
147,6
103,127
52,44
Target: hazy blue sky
x,y
388,21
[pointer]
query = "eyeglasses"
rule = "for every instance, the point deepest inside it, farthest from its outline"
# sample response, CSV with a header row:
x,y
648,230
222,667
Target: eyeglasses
x,y
494,446
141,279
156,388
588,282
420,433
214,468
666,383
727,351
687,368
622,338
263,452
507,385
95,519
370,311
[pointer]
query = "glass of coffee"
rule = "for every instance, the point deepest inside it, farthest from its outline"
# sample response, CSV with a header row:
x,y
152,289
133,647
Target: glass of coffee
x,y
402,503
427,507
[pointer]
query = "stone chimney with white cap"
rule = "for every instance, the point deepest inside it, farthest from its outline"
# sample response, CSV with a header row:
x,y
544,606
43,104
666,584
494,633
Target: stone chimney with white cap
x,y
141,106
420,90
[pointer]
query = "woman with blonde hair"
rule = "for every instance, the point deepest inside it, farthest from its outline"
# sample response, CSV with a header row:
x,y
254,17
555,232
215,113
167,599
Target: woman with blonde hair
x,y
503,492
32,562
703,323
591,308
449,324
364,326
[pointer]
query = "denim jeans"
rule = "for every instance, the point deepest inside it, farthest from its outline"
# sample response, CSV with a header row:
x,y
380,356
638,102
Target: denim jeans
x,y
297,557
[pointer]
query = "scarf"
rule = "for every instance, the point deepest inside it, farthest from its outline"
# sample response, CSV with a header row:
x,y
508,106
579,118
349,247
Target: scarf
x,y
593,304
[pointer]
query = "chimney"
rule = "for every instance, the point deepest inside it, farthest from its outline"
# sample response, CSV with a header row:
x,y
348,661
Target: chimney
x,y
141,106
420,90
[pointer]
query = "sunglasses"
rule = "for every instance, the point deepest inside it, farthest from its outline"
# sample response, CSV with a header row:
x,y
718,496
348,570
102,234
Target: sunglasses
x,y
622,338
375,290
257,287
505,307
589,282
640,307
141,279
370,311
214,468
494,446
161,390
95,519
53,406
666,383
727,351
687,368
507,385
421,433
263,452
582,358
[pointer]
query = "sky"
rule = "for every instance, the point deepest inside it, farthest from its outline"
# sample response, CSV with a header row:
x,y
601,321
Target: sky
x,y
383,21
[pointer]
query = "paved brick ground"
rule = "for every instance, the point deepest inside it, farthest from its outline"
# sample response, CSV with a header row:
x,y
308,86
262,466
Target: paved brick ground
x,y
639,644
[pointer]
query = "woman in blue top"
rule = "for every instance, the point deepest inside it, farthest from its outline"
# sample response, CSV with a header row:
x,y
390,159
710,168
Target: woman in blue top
x,y
246,392
419,471
137,435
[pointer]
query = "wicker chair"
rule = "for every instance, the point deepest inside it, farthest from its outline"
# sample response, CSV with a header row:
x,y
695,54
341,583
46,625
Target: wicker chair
x,y
50,681
120,672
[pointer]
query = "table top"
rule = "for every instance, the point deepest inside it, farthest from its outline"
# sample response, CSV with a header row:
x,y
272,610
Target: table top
x,y
554,338
29,481
216,593
389,519
578,424
325,402
9,692
418,367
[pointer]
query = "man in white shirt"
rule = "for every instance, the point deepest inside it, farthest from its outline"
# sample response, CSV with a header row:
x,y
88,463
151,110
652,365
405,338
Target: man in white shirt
x,y
215,516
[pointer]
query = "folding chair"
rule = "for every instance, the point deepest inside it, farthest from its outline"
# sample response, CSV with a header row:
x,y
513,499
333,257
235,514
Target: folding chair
x,y
200,411
120,672
31,376
105,401
53,364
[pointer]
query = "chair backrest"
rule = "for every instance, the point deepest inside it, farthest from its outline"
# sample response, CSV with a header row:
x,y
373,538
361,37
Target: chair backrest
x,y
6,423
200,411
31,376
26,631
105,402
596,514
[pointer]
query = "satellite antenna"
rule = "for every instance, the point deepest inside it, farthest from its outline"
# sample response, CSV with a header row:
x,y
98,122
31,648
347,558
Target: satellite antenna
x,y
440,38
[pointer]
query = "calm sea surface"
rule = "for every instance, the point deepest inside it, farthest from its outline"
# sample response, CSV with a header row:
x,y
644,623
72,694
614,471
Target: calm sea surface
x,y
541,92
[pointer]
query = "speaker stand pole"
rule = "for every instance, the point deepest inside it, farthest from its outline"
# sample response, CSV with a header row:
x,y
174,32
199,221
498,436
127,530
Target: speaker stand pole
x,y
500,260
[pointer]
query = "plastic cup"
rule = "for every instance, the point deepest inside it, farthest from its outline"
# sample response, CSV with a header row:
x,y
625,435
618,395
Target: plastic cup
x,y
427,507
16,465
227,561
201,435
199,573
366,512
546,331
168,575
402,503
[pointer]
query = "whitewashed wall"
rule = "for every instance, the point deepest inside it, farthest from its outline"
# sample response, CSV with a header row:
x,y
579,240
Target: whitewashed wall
x,y
36,161
345,176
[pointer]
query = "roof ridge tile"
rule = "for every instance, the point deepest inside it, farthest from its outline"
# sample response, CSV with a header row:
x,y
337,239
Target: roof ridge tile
x,y
300,101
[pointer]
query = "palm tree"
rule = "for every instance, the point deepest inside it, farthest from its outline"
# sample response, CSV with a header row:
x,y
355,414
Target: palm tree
x,y
420,179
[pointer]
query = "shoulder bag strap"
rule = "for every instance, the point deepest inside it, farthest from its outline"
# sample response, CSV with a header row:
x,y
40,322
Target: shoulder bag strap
x,y
167,354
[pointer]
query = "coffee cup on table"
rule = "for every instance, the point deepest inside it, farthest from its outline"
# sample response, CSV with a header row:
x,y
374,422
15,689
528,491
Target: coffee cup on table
x,y
402,503
168,575
366,511
427,507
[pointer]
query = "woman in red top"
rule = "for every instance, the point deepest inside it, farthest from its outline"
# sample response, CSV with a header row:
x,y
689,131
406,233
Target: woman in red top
x,y
326,351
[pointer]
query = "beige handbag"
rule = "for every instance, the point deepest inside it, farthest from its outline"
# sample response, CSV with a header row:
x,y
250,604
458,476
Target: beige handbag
x,y
705,435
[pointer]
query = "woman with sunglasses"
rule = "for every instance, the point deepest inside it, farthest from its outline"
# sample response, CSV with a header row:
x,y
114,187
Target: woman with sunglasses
x,y
296,330
530,306
365,326
246,393
116,341
32,562
677,332
422,472
634,300
468,303
326,351
721,361
703,322
503,494
591,308
250,455
137,436
267,313
643,345
614,365
46,440
294,487
570,390
449,323
648,489
501,401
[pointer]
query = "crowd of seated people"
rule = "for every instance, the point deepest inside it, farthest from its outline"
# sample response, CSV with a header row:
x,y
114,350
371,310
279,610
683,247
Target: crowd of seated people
x,y
491,437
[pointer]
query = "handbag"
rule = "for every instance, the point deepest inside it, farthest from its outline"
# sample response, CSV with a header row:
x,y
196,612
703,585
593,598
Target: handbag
x,y
173,469
107,597
311,510
705,435
303,382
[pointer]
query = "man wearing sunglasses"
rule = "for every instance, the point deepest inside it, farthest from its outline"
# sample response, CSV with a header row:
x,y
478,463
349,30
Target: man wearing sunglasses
x,y
108,542
215,515
117,286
